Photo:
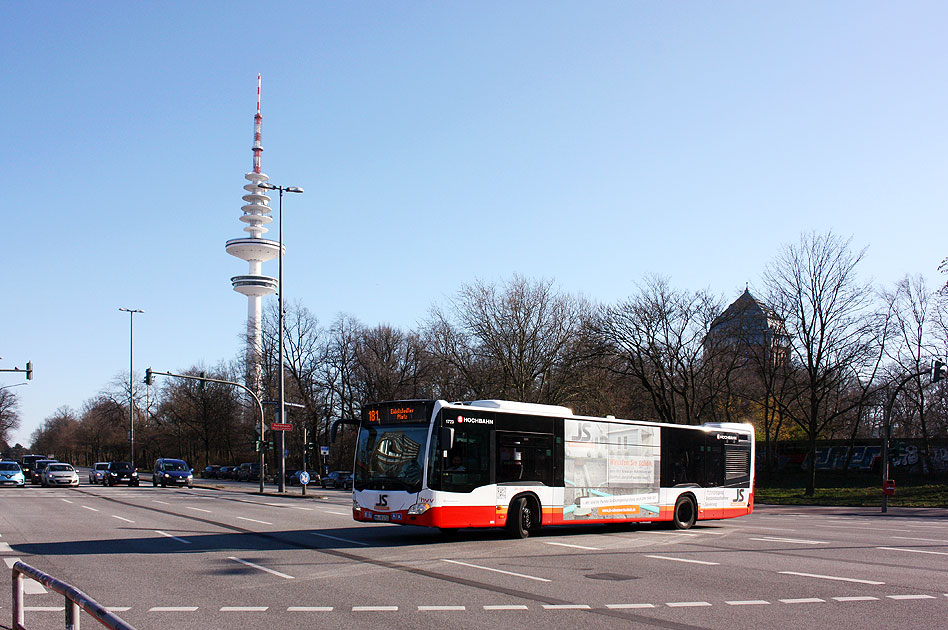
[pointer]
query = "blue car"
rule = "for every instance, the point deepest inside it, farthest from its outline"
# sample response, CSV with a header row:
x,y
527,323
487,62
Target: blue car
x,y
172,472
12,475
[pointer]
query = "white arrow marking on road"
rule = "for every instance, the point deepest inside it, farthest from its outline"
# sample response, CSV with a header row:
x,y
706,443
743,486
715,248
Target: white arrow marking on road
x,y
831,577
257,566
683,560
937,553
180,540
474,566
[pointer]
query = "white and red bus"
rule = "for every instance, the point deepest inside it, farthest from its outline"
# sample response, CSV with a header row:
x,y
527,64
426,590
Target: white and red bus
x,y
494,463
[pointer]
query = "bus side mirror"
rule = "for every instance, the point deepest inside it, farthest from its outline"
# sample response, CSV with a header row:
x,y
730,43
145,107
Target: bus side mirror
x,y
447,439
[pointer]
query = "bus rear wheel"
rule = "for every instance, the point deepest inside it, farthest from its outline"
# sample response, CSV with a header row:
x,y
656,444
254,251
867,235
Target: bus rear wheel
x,y
686,512
520,518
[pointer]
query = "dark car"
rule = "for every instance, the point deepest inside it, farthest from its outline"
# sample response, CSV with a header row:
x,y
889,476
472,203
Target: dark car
x,y
27,463
226,472
249,472
171,472
39,467
337,479
120,472
293,477
210,472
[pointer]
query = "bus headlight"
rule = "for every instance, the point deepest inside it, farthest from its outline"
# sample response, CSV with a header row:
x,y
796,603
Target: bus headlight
x,y
418,508
355,506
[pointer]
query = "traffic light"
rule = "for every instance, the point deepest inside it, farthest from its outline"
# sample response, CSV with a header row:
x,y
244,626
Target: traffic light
x,y
939,370
29,370
256,446
148,377
310,446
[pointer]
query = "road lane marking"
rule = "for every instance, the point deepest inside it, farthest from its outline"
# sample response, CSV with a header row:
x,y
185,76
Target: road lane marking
x,y
30,586
748,602
122,518
831,577
623,606
90,508
66,500
507,607
566,606
44,608
299,507
559,544
337,513
5,548
162,502
474,566
253,520
804,600
244,608
688,560
864,598
440,608
937,553
374,608
921,539
188,507
686,604
180,540
911,597
257,566
791,540
345,540
118,608
309,609
172,609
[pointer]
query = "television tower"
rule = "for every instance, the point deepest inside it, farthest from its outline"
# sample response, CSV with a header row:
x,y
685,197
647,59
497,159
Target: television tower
x,y
256,250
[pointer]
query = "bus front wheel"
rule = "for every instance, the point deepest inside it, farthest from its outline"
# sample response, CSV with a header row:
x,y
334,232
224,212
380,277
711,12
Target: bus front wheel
x,y
686,512
520,518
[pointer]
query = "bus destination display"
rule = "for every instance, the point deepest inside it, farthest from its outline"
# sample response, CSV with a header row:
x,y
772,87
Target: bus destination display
x,y
397,413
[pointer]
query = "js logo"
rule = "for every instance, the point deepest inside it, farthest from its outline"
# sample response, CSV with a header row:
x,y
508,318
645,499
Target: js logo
x,y
383,501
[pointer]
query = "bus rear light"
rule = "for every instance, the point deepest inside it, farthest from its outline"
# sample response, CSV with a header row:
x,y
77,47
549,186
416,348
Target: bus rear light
x,y
418,508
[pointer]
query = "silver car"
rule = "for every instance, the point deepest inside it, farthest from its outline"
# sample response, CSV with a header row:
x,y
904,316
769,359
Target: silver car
x,y
59,474
98,472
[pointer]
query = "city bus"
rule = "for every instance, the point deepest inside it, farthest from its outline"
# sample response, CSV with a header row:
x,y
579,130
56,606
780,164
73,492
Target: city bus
x,y
522,466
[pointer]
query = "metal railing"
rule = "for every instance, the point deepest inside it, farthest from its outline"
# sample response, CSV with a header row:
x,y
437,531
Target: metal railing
x,y
75,600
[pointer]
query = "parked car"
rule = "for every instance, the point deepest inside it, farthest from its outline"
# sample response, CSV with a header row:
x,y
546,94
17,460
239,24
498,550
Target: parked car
x,y
27,463
337,479
120,472
248,472
174,472
293,477
59,474
11,474
226,472
210,472
38,467
97,472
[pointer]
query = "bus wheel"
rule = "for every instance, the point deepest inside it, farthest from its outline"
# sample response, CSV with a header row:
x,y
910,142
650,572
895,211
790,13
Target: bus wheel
x,y
686,512
520,518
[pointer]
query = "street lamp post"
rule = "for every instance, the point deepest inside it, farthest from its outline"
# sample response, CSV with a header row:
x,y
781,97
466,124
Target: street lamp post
x,y
131,379
281,189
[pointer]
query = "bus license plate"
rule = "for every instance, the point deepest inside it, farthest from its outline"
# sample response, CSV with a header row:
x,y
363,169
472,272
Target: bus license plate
x,y
380,517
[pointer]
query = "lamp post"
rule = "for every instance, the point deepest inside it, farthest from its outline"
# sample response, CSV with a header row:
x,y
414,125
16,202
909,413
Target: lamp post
x,y
281,189
131,379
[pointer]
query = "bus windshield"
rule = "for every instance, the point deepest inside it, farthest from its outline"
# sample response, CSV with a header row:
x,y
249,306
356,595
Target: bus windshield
x,y
390,457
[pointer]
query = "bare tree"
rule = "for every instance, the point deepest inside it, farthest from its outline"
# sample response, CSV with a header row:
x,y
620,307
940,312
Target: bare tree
x,y
9,414
814,287
658,337
509,341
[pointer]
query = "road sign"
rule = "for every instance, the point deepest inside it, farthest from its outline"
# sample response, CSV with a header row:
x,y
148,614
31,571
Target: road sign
x,y
324,450
304,478
279,426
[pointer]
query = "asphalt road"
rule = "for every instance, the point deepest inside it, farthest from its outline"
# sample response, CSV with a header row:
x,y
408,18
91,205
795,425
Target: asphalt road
x,y
229,558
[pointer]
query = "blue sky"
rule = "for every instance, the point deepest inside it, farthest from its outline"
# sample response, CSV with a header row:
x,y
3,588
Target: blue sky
x,y
440,143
